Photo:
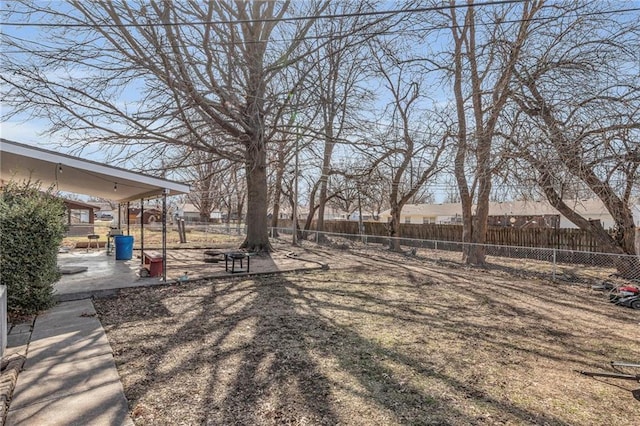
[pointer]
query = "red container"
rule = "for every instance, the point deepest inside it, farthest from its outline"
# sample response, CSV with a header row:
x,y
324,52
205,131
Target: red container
x,y
155,268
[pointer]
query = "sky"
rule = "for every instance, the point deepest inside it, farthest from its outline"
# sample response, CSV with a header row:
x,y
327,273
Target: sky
x,y
33,131
30,132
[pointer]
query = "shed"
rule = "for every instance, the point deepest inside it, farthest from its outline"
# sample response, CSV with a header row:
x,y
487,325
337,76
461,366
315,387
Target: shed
x,y
80,217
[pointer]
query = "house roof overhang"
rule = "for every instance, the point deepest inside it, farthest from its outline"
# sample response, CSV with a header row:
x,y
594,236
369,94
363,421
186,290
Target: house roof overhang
x,y
73,174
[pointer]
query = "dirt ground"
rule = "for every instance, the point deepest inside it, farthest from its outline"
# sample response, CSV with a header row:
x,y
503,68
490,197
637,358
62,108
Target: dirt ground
x,y
378,339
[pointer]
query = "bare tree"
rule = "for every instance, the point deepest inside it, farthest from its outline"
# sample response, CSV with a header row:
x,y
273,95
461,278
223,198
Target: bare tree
x,y
580,120
278,165
355,185
373,189
483,63
345,194
211,182
233,194
412,152
147,76
336,85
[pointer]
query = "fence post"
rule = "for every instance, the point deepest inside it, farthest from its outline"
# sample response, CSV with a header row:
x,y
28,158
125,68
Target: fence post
x,y
317,236
554,265
436,244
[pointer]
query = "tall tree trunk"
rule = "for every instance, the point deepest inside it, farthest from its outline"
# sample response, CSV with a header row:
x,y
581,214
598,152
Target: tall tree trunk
x,y
466,198
394,227
309,221
322,201
486,110
477,251
326,168
257,238
277,191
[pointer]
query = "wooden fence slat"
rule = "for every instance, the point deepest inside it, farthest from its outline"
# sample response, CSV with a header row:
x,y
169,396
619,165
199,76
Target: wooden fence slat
x,y
563,239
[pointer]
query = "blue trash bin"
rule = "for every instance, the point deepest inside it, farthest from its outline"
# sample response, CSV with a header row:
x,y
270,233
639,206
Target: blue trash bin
x,y
124,247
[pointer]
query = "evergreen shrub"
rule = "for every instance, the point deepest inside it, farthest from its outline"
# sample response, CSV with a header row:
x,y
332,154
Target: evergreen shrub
x,y
32,226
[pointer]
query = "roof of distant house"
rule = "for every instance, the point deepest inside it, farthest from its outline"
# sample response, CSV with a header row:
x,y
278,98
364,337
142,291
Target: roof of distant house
x,y
585,207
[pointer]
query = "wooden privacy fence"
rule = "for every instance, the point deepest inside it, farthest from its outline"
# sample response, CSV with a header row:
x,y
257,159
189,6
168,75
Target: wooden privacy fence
x,y
563,239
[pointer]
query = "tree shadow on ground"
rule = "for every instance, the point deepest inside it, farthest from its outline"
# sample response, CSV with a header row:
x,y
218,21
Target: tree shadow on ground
x,y
273,351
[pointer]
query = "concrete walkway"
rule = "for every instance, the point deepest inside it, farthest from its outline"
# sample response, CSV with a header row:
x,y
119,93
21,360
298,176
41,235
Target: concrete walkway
x,y
69,375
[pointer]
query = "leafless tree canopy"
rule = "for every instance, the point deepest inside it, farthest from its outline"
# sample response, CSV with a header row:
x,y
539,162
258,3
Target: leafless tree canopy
x,y
578,100
205,76
533,98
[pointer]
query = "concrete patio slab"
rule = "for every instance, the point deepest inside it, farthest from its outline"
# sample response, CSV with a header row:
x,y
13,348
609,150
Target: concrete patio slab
x,y
65,314
85,328
105,275
72,269
64,309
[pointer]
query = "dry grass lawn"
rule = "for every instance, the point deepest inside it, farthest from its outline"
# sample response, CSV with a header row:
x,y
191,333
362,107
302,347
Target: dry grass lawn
x,y
380,339
196,236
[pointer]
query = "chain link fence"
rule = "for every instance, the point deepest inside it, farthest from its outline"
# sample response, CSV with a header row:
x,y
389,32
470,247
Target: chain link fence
x,y
544,263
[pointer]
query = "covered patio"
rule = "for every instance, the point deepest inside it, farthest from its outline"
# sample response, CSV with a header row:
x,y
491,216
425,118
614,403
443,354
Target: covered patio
x,y
67,173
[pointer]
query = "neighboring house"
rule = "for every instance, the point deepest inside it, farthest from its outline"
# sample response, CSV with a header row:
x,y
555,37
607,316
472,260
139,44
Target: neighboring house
x,y
80,218
285,212
519,214
330,213
636,213
151,215
191,213
444,213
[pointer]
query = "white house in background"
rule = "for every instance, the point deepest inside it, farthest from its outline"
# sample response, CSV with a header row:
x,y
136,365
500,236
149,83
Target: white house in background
x,y
521,213
191,213
591,209
330,213
635,208
444,213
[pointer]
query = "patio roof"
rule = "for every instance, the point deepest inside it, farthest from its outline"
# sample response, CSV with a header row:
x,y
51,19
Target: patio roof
x,y
73,174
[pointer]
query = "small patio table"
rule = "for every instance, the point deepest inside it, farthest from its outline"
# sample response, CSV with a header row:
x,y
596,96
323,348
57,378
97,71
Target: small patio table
x,y
233,257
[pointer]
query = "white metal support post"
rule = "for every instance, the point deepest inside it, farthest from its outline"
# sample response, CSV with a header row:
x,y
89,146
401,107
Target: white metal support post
x,y
164,234
142,231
